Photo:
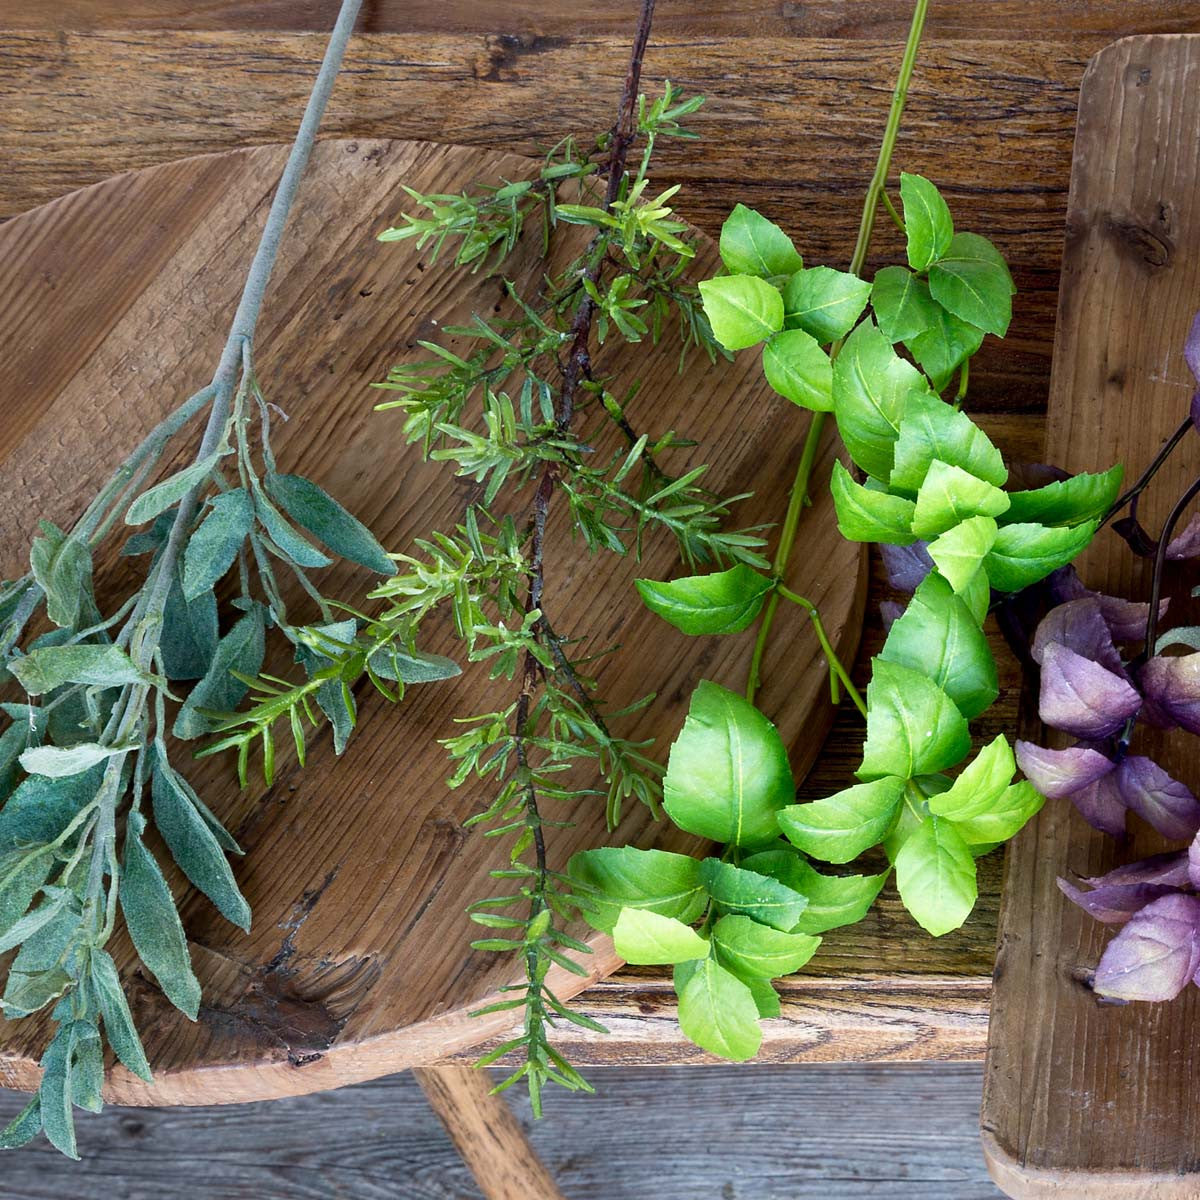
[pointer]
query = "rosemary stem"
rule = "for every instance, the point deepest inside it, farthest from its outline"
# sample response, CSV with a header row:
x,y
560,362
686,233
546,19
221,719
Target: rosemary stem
x,y
808,456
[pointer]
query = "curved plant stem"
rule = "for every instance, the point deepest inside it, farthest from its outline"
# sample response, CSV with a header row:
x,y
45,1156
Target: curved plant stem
x,y
808,456
837,671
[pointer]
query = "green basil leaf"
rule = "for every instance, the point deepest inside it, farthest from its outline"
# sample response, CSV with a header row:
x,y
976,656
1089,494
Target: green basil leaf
x,y
942,348
722,602
613,878
154,924
119,1028
318,512
749,949
646,938
977,596
241,649
938,636
718,1013
189,633
1004,818
741,309
62,567
935,875
902,304
949,495
840,827
928,227
865,515
766,998
837,900
752,245
913,727
168,493
959,553
1024,553
971,280
728,772
59,762
979,785
799,370
824,302
42,670
213,546
736,890
1072,501
931,430
873,387
193,844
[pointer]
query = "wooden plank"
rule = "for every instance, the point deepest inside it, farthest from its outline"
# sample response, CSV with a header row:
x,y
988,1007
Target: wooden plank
x,y
1088,23
707,1133
1083,1098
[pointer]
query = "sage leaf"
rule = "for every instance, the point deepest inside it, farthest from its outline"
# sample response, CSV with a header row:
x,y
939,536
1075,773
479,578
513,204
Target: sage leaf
x,y
718,1013
932,430
971,280
866,515
170,491
87,1068
928,227
736,890
315,510
799,370
28,926
949,495
152,540
189,633
24,1127
824,302
749,949
213,546
913,727
57,762
40,808
752,245
935,875
22,874
741,309
290,544
119,1028
728,771
721,602
1024,553
873,387
840,827
55,1091
613,878
961,552
902,304
62,567
241,649
1083,497
412,666
314,652
938,636
154,924
194,846
942,348
645,938
187,794
49,667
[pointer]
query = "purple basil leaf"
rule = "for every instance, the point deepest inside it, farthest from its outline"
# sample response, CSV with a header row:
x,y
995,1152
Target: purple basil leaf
x,y
1195,409
1191,348
1172,690
1127,618
890,611
1102,806
1155,955
1026,477
1081,697
1169,870
906,566
1193,862
1058,773
1065,584
1116,903
1136,537
1157,798
1186,544
1080,626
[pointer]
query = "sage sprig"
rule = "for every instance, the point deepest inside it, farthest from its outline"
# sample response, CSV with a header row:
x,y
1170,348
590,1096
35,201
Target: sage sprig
x,y
89,761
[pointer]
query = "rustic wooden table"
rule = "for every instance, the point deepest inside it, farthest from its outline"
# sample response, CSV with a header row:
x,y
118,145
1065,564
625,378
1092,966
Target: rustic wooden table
x,y
796,97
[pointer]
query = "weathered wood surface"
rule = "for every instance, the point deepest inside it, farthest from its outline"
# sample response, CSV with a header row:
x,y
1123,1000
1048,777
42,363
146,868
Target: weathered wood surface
x,y
1085,1099
115,301
690,1133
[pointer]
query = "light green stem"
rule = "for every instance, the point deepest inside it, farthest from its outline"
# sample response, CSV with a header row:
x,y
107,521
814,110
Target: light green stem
x,y
837,670
808,456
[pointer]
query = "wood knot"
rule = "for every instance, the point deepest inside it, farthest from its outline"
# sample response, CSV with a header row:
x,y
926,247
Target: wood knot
x,y
1148,243
502,52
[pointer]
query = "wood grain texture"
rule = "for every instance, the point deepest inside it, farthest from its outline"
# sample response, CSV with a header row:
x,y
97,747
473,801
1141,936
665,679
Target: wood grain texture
x,y
871,1132
359,871
1085,1099
1091,22
486,1134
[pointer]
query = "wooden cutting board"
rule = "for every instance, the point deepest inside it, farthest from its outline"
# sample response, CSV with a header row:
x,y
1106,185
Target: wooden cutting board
x,y
1084,1099
114,302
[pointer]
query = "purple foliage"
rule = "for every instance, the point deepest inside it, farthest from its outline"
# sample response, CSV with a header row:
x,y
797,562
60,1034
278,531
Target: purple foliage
x,y
1081,697
1170,870
906,566
1187,543
1080,626
1114,903
1172,690
1161,801
1058,773
1155,955
1191,348
1102,805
